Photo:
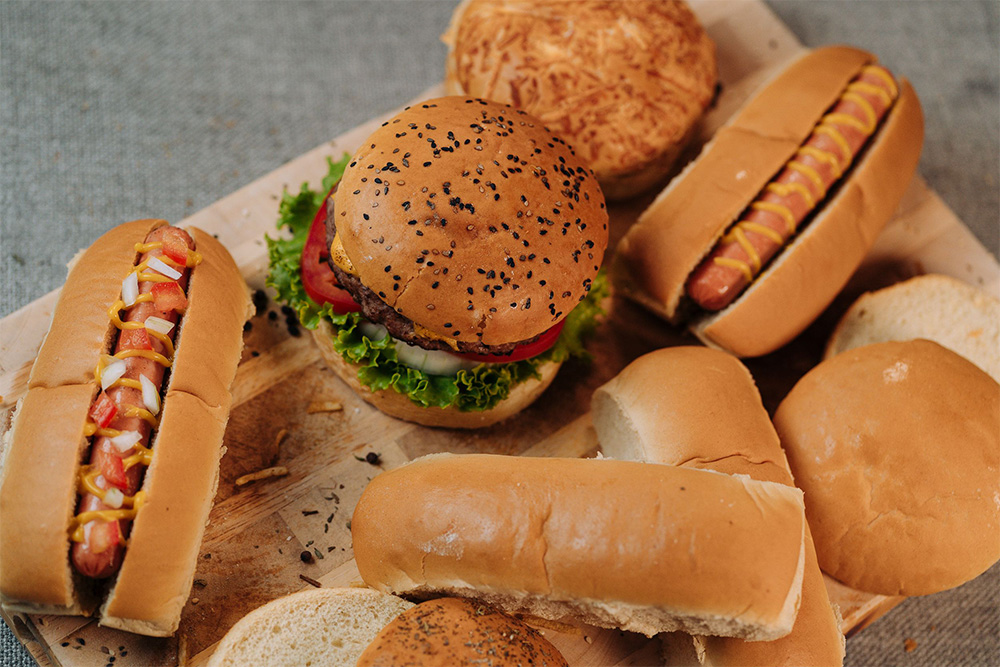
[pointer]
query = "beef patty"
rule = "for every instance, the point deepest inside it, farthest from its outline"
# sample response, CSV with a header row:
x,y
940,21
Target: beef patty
x,y
399,326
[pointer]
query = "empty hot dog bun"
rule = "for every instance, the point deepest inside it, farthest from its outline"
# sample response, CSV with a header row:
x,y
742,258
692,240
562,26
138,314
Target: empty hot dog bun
x,y
897,448
323,627
454,632
806,174
640,547
623,82
934,307
705,412
48,440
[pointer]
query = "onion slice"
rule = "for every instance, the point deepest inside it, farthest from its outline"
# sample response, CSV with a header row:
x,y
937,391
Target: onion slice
x,y
112,372
114,498
130,289
163,268
159,325
125,441
432,362
150,396
374,331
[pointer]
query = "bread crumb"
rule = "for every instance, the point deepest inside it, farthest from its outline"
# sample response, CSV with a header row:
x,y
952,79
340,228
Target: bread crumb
x,y
909,644
324,406
274,471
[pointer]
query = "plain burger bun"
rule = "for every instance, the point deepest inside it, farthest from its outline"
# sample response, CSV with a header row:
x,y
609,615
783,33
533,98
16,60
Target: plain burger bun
x,y
699,408
897,448
454,632
473,220
623,82
324,627
647,548
683,224
934,307
400,406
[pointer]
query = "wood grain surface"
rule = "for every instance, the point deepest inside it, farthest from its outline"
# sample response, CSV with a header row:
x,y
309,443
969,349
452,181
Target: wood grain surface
x,y
258,534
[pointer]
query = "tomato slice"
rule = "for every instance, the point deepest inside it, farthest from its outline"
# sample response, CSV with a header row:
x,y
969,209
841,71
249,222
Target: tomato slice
x,y
111,466
103,410
526,351
169,296
134,339
176,248
317,277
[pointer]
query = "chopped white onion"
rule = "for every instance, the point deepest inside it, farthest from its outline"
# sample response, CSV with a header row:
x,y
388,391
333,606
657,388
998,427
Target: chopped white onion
x,y
432,362
125,441
130,289
112,372
114,498
159,325
160,266
100,482
150,396
373,331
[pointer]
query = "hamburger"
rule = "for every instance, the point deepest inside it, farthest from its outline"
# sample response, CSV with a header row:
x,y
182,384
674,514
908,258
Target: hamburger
x,y
453,267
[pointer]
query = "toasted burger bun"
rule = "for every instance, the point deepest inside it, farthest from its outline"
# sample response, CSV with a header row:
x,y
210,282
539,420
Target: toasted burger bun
x,y
897,448
472,220
400,406
634,546
686,220
38,490
623,82
935,307
705,412
453,632
323,627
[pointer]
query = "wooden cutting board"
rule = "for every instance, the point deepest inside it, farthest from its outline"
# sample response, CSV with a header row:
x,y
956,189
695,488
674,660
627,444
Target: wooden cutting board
x,y
252,552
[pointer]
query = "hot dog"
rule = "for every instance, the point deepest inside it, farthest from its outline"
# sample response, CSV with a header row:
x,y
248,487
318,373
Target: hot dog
x,y
112,459
762,230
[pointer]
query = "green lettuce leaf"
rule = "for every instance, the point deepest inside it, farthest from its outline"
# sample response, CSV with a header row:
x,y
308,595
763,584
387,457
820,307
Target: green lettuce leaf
x,y
480,388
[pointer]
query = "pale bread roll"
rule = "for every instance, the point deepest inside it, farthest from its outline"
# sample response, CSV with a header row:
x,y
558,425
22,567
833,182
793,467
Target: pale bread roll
x,y
635,546
700,408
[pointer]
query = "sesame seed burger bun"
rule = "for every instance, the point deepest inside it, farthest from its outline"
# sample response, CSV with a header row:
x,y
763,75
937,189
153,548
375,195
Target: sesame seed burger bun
x,y
473,220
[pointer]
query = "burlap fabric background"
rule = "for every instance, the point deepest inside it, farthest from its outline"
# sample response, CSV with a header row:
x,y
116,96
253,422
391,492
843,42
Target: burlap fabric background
x,y
111,111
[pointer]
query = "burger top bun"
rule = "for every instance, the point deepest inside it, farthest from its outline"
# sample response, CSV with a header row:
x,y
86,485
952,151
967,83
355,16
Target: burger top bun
x,y
473,220
897,448
451,632
623,82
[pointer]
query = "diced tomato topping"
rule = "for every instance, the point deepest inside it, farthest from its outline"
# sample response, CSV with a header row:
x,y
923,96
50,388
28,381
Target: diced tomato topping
x,y
103,410
134,339
526,351
104,535
317,277
169,296
110,465
175,246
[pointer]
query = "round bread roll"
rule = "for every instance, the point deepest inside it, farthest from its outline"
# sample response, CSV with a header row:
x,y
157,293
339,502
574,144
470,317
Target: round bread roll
x,y
472,220
400,406
897,448
453,632
623,82
936,307
323,627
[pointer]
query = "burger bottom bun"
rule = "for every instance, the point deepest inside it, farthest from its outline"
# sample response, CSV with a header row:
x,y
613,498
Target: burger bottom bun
x,y
400,406
325,627
897,449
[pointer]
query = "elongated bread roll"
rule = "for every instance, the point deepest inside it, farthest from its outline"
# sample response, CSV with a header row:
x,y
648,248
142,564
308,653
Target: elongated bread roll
x,y
641,547
706,413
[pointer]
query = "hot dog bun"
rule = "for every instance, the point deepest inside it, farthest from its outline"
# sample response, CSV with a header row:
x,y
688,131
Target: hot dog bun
x,y
39,493
640,547
706,413
934,307
682,225
400,406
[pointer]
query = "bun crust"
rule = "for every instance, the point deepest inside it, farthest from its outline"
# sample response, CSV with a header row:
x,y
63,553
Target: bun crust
x,y
897,447
710,416
397,405
455,631
38,496
682,225
575,536
473,220
623,82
